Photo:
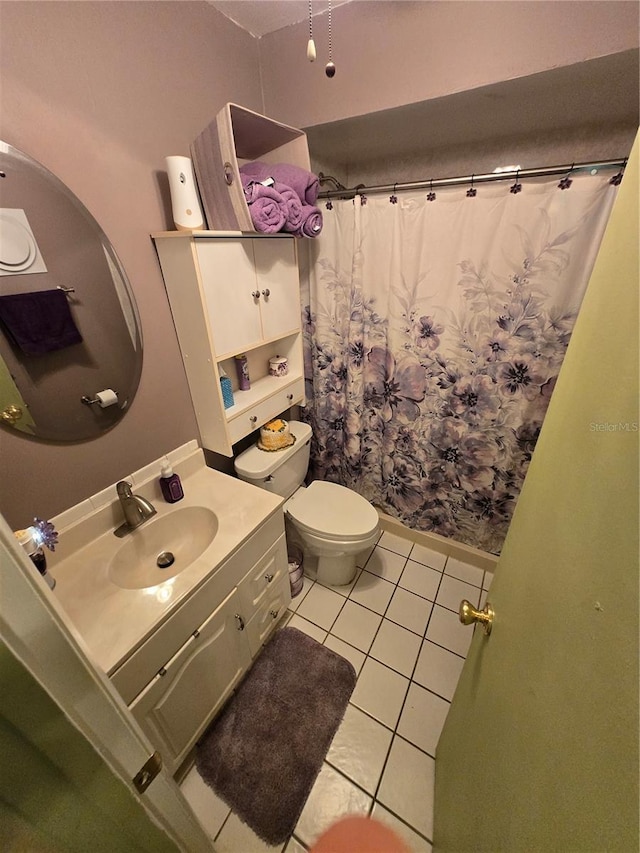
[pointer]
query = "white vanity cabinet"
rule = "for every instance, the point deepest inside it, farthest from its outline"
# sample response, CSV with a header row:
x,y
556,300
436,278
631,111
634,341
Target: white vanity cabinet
x,y
178,680
232,295
190,688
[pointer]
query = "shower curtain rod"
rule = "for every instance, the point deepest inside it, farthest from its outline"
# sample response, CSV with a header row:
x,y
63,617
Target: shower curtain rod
x,y
361,189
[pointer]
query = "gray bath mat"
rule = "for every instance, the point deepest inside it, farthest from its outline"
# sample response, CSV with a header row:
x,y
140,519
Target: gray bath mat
x,y
263,753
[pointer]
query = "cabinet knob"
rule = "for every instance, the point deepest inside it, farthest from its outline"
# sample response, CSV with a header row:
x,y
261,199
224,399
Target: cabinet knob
x,y
289,397
268,578
274,614
253,418
255,294
239,622
266,293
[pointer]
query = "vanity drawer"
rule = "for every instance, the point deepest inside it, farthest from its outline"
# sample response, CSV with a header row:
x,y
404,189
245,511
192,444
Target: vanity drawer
x,y
264,577
269,614
258,415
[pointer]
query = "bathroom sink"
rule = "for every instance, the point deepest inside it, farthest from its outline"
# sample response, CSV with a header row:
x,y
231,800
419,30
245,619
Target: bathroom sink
x,y
162,548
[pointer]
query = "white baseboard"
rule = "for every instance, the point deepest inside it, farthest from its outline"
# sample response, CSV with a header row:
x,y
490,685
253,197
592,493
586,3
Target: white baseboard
x,y
466,553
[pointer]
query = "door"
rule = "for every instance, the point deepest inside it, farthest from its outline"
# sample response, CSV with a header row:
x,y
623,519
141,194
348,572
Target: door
x,y
34,631
279,285
205,669
540,748
231,292
13,409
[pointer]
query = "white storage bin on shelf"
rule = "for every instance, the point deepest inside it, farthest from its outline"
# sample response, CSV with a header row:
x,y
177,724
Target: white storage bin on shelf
x,y
232,295
235,137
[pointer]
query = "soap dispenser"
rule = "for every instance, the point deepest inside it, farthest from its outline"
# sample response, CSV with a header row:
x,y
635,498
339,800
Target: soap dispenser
x,y
32,541
170,483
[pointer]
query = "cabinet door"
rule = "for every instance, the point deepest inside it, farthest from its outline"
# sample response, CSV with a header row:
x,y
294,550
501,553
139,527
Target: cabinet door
x,y
229,281
279,286
177,705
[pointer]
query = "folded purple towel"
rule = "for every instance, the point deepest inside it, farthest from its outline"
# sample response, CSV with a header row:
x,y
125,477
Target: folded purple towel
x,y
311,222
267,208
302,182
39,322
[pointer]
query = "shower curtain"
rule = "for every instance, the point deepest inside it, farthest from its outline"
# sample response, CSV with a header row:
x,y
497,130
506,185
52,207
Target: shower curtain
x,y
435,328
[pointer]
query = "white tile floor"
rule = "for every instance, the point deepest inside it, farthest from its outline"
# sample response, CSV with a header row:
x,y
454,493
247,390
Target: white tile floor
x,y
398,625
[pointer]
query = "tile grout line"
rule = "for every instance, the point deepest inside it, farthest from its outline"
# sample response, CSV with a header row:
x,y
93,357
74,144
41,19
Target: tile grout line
x,y
404,702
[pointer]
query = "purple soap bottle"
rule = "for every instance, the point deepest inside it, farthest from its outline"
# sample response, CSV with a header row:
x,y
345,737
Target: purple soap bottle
x,y
170,484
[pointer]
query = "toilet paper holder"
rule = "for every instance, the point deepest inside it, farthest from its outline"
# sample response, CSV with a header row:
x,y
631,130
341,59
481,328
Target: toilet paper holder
x,y
105,398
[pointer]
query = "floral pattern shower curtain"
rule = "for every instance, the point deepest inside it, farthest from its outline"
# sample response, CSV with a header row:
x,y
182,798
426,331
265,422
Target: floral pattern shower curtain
x,y
435,331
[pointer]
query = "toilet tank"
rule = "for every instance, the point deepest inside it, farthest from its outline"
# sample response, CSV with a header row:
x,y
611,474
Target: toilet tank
x,y
279,471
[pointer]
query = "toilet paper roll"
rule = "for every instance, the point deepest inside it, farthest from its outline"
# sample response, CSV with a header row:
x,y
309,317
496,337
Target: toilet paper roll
x,y
105,398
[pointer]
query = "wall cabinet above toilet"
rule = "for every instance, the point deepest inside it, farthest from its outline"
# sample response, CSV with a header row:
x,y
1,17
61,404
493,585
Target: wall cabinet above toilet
x,y
232,295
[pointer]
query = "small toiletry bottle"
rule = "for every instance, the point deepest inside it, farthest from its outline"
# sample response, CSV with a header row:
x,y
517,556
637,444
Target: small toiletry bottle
x,y
226,388
242,369
170,484
28,540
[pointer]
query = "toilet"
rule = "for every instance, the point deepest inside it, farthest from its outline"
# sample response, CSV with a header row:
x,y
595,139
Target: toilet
x,y
332,522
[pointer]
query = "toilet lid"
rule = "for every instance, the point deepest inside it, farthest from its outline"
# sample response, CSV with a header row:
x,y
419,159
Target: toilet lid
x,y
332,511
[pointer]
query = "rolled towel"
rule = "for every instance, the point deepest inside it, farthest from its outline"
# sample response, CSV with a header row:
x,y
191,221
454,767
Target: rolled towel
x,y
294,207
311,222
302,182
267,208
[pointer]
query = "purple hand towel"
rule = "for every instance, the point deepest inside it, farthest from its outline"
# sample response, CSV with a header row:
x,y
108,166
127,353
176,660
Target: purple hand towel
x,y
311,222
39,322
302,182
266,206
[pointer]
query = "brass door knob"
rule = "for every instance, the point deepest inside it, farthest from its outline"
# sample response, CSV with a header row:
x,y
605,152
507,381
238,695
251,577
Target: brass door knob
x,y
11,414
469,615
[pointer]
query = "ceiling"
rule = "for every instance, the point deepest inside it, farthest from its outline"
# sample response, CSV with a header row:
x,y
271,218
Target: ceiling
x,y
259,17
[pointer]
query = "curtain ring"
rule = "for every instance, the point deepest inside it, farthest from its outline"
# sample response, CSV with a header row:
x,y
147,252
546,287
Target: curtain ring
x,y
431,196
616,180
566,182
517,186
393,198
472,192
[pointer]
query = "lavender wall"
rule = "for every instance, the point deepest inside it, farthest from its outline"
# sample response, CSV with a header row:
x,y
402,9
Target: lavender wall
x,y
100,93
392,53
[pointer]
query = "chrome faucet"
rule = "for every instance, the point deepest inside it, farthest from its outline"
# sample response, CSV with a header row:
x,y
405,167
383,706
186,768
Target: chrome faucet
x,y
136,509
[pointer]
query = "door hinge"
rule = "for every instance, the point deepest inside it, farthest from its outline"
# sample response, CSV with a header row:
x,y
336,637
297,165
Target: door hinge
x,y
148,772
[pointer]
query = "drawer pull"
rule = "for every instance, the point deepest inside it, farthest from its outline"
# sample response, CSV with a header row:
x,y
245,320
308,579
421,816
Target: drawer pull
x,y
240,622
196,633
162,671
289,397
253,418
274,613
268,578
266,293
255,294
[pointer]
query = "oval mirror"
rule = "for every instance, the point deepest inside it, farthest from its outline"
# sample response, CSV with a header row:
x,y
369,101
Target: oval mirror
x,y
70,340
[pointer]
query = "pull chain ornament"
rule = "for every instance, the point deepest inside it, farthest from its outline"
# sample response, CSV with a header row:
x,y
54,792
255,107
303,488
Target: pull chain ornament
x,y
330,68
311,45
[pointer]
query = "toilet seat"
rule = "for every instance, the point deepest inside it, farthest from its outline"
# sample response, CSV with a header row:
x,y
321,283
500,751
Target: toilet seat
x,y
332,512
